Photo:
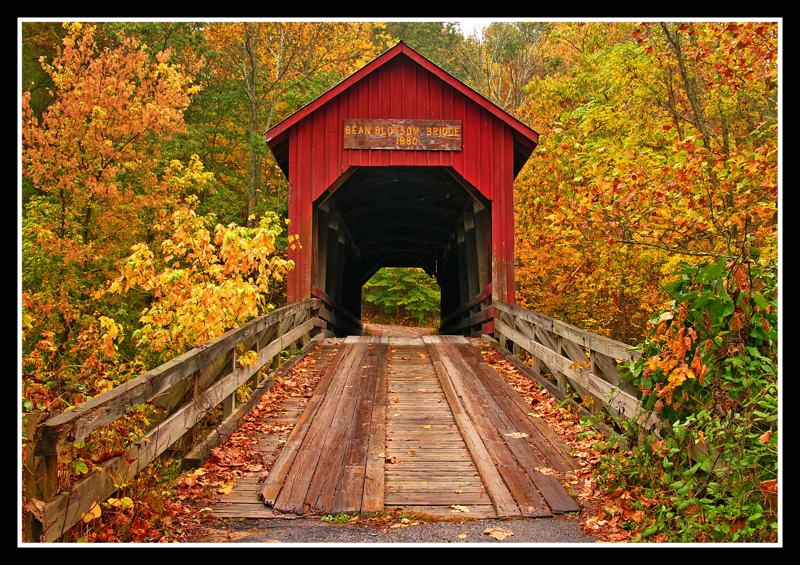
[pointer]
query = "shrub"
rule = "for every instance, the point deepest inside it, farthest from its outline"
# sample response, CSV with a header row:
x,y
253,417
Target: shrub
x,y
709,370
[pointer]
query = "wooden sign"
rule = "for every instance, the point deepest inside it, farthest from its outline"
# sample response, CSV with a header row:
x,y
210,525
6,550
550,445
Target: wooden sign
x,y
419,135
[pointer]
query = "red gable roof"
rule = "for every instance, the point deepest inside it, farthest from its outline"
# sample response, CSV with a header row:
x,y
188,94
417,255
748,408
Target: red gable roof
x,y
529,137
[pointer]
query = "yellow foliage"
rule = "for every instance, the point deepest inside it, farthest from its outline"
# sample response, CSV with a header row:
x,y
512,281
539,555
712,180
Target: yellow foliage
x,y
203,282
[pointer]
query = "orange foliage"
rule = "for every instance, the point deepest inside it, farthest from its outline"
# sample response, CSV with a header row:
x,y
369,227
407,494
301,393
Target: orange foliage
x,y
622,186
93,166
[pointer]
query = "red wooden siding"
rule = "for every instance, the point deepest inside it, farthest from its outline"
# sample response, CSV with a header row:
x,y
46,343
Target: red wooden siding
x,y
401,87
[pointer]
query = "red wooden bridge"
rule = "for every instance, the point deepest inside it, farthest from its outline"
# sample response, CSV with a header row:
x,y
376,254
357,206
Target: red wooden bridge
x,y
399,165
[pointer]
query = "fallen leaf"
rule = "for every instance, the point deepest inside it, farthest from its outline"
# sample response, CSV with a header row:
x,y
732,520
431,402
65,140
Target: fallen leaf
x,y
498,533
93,513
517,435
226,488
459,508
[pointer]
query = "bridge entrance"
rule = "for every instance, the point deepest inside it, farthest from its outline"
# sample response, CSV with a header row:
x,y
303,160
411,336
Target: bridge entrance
x,y
402,165
401,217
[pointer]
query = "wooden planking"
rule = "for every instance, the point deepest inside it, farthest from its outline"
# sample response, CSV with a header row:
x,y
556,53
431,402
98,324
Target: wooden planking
x,y
410,424
275,480
244,501
510,415
374,473
485,403
325,467
517,412
429,468
501,497
496,398
315,471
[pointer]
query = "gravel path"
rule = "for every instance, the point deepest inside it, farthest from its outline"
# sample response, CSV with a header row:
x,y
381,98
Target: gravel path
x,y
552,531
396,331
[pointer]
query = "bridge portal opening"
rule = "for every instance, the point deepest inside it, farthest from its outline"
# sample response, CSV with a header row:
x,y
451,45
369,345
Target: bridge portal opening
x,y
405,296
422,217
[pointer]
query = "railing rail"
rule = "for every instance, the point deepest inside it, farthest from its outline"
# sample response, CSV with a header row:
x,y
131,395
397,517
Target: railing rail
x,y
583,360
333,317
470,317
185,389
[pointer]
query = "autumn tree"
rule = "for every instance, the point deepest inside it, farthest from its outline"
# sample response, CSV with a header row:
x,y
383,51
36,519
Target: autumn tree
x,y
504,59
631,169
203,279
274,68
649,213
441,42
92,180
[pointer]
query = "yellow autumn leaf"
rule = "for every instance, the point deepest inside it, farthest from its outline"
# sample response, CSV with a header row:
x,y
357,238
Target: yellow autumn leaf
x,y
125,502
94,512
226,488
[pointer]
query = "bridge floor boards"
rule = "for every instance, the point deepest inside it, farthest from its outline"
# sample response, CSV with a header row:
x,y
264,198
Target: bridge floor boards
x,y
428,466
419,424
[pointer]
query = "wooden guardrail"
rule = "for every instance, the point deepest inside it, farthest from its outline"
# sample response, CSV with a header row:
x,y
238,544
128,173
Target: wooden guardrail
x,y
184,390
470,317
583,360
333,317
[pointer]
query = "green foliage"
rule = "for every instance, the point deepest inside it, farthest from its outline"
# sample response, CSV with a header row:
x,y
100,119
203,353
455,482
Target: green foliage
x,y
709,371
402,295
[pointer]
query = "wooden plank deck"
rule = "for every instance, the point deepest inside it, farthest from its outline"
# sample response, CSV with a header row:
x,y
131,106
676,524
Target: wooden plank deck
x,y
419,424
428,466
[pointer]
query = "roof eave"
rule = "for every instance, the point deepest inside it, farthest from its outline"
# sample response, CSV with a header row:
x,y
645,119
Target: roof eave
x,y
274,134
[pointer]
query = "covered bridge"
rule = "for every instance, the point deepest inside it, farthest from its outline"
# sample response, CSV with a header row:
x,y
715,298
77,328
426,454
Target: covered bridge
x,y
402,165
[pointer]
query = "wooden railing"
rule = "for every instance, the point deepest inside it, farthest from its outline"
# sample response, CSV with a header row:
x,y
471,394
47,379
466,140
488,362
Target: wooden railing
x,y
470,317
333,317
183,390
582,360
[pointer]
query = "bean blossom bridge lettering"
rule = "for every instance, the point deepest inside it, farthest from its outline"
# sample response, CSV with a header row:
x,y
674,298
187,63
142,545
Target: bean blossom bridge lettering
x,y
399,165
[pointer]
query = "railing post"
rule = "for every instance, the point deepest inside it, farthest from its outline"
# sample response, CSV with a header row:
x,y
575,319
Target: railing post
x,y
41,477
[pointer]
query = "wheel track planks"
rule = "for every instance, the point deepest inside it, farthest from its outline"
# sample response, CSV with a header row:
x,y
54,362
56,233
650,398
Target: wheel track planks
x,y
274,482
485,401
315,473
501,497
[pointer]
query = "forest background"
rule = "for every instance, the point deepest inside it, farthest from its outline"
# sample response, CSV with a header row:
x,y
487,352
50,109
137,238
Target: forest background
x,y
153,216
